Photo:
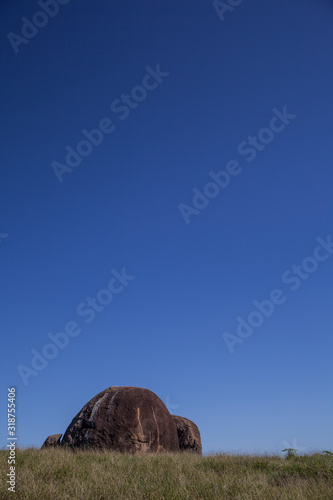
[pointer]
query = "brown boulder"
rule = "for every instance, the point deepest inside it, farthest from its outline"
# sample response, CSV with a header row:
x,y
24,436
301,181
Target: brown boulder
x,y
188,434
53,440
124,419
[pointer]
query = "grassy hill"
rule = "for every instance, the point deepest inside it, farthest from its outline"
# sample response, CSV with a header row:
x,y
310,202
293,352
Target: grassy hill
x,y
62,474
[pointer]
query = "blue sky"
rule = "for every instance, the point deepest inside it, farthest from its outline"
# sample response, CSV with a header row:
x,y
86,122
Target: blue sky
x,y
224,77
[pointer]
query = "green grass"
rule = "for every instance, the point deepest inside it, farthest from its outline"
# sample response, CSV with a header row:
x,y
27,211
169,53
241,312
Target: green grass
x,y
53,474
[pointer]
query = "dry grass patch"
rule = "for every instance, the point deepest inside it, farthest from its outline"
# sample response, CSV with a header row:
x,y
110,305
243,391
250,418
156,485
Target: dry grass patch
x,y
53,474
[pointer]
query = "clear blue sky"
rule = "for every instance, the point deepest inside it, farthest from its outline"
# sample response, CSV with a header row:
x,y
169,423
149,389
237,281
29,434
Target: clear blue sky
x,y
222,77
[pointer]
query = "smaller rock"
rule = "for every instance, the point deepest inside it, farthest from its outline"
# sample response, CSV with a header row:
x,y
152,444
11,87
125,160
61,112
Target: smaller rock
x,y
52,441
188,435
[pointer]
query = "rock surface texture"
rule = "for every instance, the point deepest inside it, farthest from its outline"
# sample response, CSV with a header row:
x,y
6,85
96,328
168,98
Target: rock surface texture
x,y
127,419
189,438
53,440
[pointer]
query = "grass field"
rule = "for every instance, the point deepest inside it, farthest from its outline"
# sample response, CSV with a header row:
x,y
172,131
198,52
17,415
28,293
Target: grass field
x,y
62,474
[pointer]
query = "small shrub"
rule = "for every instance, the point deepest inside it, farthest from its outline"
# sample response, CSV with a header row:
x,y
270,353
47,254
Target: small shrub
x,y
291,453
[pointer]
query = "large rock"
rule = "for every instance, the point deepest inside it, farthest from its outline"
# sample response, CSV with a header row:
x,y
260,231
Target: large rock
x,y
125,419
52,441
188,434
